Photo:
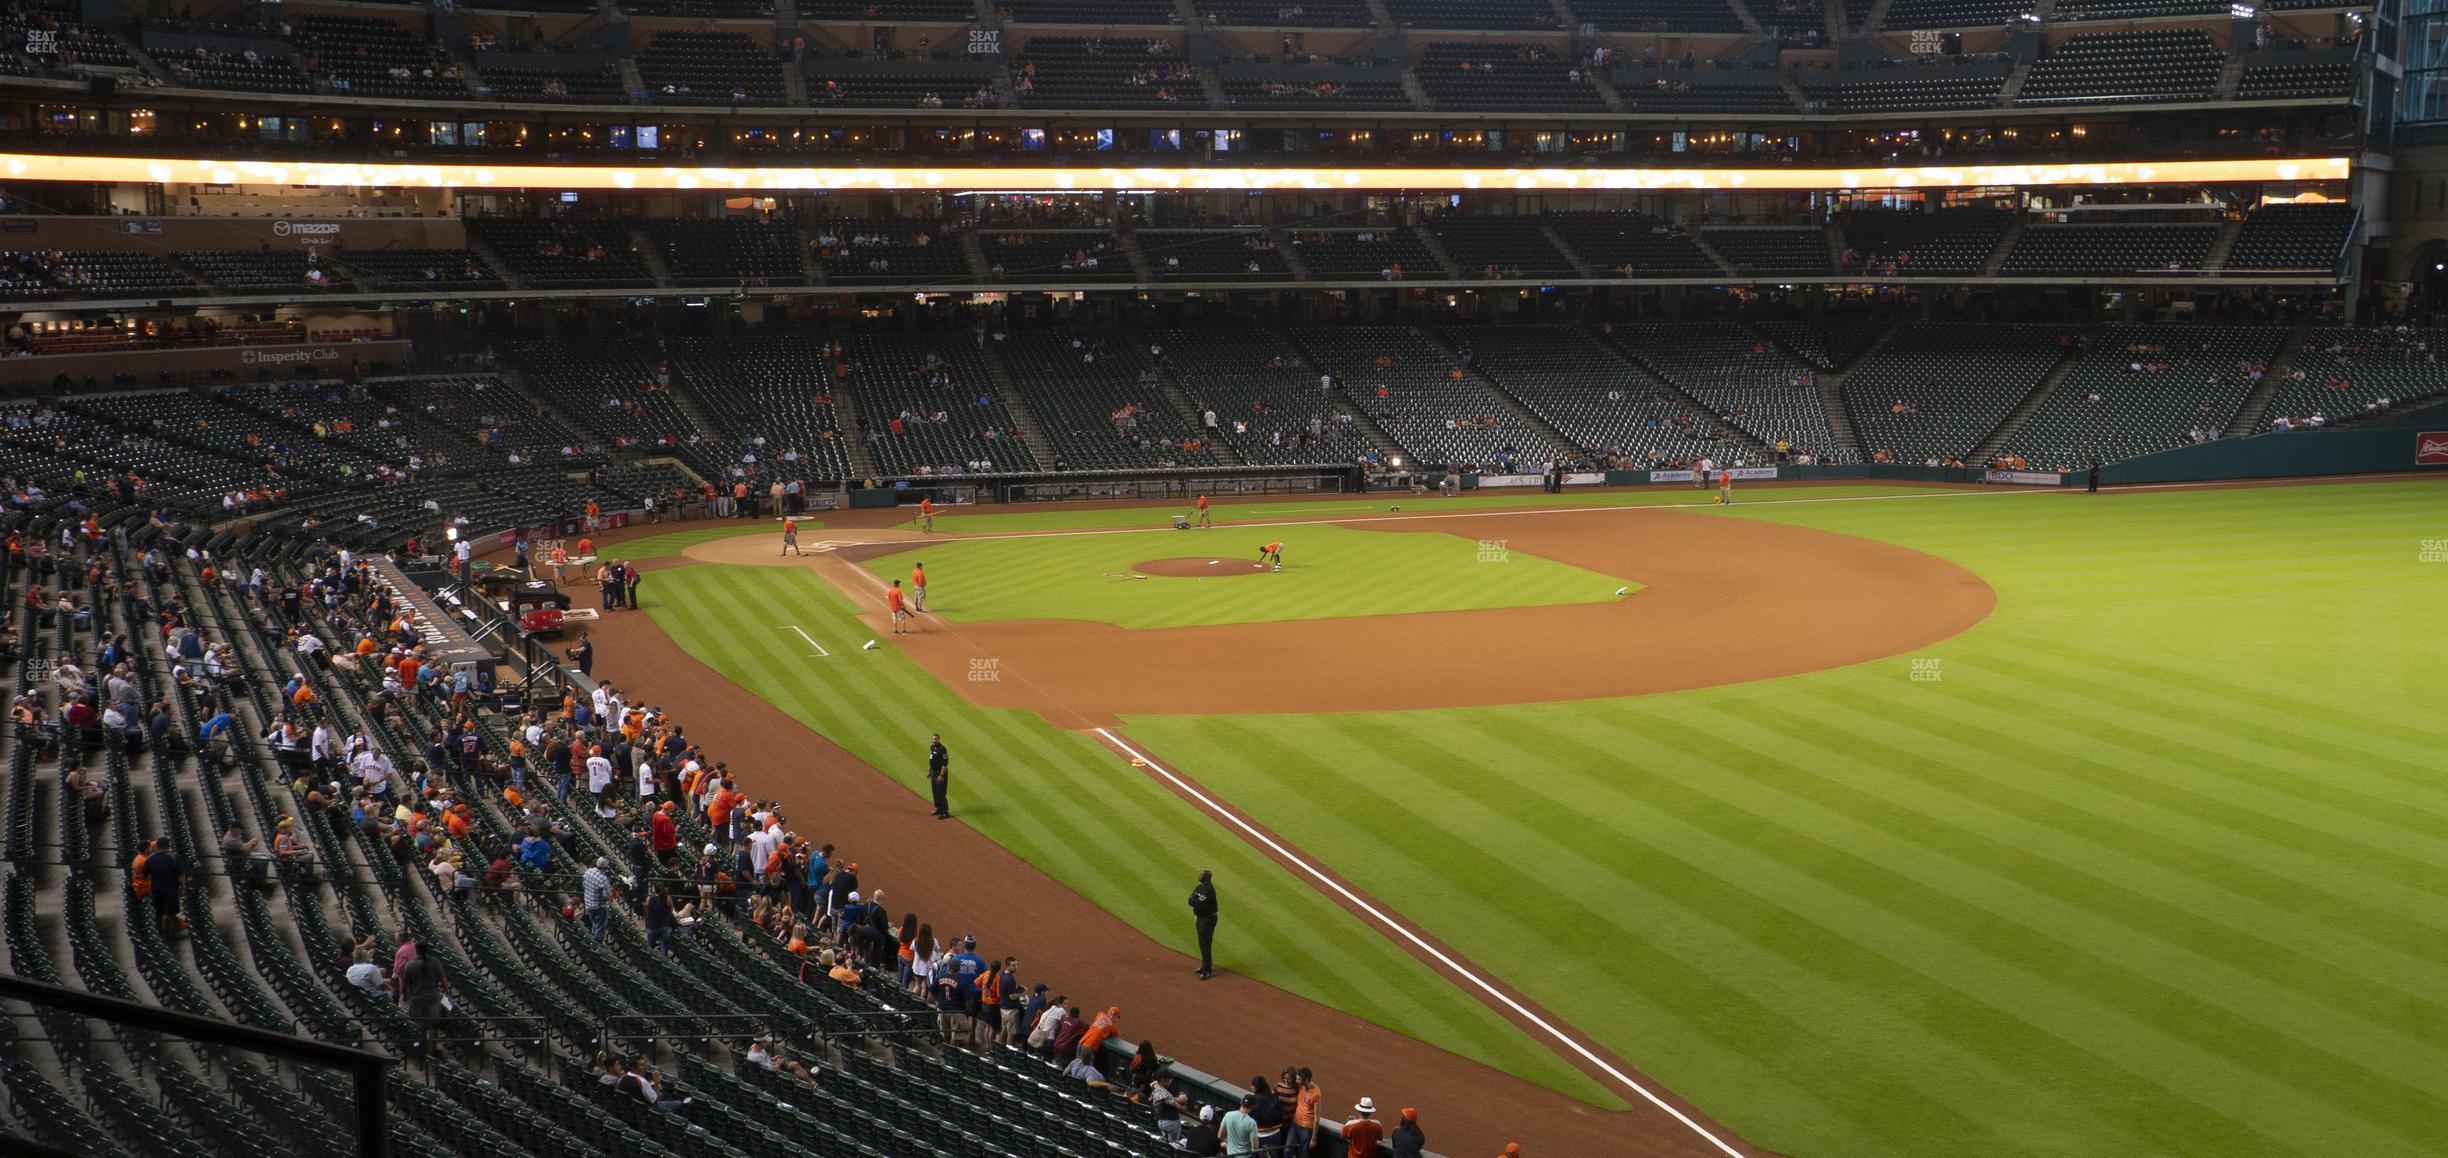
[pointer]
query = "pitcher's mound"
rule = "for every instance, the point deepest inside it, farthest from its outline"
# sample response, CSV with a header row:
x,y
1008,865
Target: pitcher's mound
x,y
1206,568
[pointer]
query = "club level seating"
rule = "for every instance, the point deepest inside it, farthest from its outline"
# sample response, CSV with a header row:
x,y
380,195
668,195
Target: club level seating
x,y
2045,250
2136,9
701,9
1490,14
1388,253
75,44
1097,405
1409,387
889,11
268,271
2125,66
608,387
2297,81
1936,390
356,417
1661,90
725,251
600,87
1500,77
774,387
1210,254
1916,243
1631,245
1106,12
1502,247
440,269
1056,255
2203,385
907,87
1282,89
374,57
1882,90
87,274
2306,236
272,70
1681,15
917,377
1268,406
2346,371
1908,14
564,251
231,432
885,251
709,68
1743,379
1766,251
1588,392
1286,13
492,413
1103,72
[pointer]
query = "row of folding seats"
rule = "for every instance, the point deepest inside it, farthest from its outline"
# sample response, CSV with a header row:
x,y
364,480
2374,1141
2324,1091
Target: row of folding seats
x,y
1286,13
1916,243
1056,255
2192,377
1094,405
1894,89
887,251
1744,380
1212,254
710,68
1103,72
727,250
2045,250
1389,252
774,386
2125,66
564,251
1684,15
413,268
2297,81
916,379
270,271
2311,236
2346,369
1769,250
1627,244
1935,390
1590,394
1381,89
1502,247
1416,392
1490,14
374,57
1268,406
1499,77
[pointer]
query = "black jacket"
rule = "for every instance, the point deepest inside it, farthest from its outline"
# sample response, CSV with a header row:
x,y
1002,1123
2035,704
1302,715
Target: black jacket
x,y
1203,901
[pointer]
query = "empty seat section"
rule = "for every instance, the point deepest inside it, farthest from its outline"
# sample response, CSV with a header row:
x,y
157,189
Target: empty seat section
x,y
1935,389
1100,405
1502,77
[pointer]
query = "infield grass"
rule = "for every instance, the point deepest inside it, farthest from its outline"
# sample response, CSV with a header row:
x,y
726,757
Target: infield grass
x,y
2152,862
1073,808
1329,572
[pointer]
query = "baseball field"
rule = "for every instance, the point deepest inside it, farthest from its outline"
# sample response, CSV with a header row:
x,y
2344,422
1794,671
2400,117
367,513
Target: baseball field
x,y
1842,821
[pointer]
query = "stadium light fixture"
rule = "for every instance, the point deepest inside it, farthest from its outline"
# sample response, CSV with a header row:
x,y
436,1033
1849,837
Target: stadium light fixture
x,y
210,171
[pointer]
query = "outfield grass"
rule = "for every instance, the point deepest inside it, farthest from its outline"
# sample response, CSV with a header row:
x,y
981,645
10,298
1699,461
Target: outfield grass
x,y
2157,864
673,543
989,520
1329,572
1075,809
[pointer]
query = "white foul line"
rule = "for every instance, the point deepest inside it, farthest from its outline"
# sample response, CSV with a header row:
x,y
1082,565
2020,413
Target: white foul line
x,y
811,641
1415,939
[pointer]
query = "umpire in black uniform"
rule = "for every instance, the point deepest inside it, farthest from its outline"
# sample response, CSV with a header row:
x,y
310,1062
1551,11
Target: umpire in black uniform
x,y
1203,907
939,775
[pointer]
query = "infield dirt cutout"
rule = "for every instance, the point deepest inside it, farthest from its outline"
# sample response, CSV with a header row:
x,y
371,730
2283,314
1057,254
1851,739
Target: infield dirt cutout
x,y
1723,600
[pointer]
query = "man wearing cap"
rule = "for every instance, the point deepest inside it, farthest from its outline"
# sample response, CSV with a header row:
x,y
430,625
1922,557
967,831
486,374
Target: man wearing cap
x,y
595,897
1203,907
1362,1133
1240,1131
939,775
1408,1141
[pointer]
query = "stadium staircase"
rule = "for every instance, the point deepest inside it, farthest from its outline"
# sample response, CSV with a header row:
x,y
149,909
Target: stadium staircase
x,y
657,266
1007,390
2216,259
1556,239
1833,17
1605,89
846,420
1505,398
1378,439
1876,19
1181,402
1410,80
2006,428
684,396
2014,80
1997,257
1428,240
1835,244
1650,379
631,79
2256,405
1701,243
794,86
484,251
1750,23
510,376
2231,74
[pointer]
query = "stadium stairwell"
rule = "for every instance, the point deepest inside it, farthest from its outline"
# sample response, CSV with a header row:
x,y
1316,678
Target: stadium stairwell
x,y
2256,404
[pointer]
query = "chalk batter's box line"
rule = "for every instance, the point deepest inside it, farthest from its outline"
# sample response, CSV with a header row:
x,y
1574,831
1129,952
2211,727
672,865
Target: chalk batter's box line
x,y
811,641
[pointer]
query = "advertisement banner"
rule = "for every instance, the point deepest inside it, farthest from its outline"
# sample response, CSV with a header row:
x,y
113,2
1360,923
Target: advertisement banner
x,y
1508,480
1754,472
2029,478
1659,476
2431,448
